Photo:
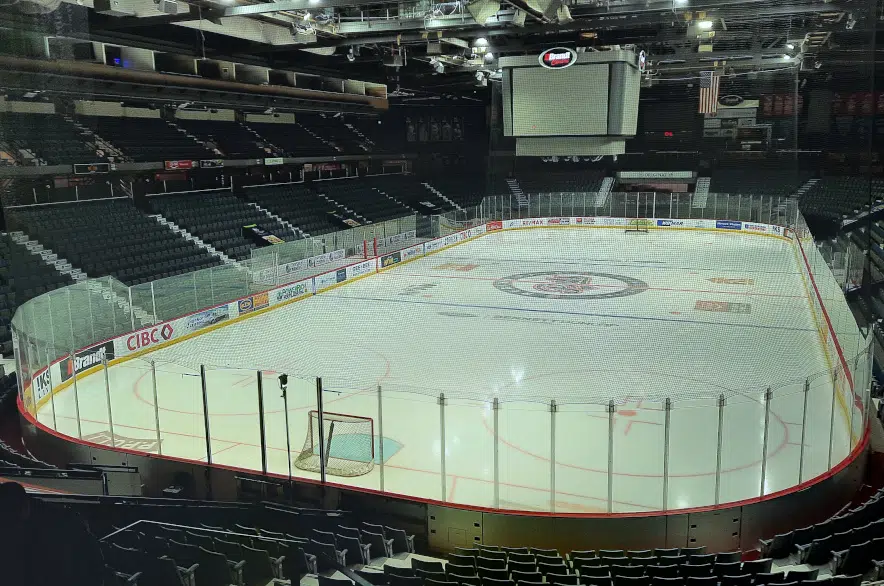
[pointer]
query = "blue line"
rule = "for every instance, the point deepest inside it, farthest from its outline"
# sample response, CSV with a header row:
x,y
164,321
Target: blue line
x,y
576,313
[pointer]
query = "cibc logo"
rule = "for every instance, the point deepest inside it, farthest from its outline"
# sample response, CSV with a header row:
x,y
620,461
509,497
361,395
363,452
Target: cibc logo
x,y
147,338
558,58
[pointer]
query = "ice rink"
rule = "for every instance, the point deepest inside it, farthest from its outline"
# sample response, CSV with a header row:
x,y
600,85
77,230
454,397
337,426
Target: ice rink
x,y
582,317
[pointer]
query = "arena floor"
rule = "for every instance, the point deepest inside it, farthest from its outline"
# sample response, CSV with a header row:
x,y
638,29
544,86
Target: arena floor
x,y
578,316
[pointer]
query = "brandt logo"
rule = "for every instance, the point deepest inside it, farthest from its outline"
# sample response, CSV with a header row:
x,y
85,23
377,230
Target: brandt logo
x,y
558,58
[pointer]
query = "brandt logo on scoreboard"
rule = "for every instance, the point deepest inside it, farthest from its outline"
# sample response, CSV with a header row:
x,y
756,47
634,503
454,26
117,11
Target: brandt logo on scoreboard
x,y
558,58
570,285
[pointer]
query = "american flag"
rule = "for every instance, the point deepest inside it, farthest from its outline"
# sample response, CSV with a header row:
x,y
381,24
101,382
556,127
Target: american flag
x,y
709,92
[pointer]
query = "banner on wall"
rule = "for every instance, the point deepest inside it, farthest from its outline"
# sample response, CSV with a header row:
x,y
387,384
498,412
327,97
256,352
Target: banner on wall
x,y
85,359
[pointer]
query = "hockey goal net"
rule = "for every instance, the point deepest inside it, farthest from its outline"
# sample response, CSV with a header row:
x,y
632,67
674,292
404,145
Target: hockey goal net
x,y
639,225
349,444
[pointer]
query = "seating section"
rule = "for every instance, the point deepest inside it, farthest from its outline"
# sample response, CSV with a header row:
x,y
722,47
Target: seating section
x,y
147,139
297,204
49,137
751,181
23,276
233,139
293,139
465,191
111,237
331,128
362,199
838,197
852,541
410,191
551,181
218,219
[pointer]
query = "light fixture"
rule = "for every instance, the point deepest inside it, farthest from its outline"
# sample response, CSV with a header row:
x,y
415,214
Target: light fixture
x,y
786,57
704,25
489,56
481,42
790,46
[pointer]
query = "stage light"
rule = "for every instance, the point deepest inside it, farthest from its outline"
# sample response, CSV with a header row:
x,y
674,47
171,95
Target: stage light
x,y
704,24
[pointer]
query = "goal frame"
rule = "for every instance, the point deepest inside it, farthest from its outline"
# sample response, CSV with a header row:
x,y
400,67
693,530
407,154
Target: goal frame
x,y
312,440
639,225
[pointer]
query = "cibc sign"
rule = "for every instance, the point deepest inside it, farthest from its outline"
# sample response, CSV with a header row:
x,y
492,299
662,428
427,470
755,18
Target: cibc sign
x,y
558,58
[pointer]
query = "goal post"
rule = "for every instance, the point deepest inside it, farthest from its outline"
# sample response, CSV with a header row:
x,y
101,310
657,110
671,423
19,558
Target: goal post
x,y
639,225
349,444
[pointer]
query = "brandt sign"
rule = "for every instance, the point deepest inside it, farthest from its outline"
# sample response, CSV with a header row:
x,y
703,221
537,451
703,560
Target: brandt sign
x,y
558,58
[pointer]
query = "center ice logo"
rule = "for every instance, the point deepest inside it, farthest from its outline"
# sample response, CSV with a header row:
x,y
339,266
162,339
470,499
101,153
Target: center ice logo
x,y
570,285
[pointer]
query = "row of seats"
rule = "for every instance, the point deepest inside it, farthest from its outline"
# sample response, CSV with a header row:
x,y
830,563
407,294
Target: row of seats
x,y
49,137
358,195
111,237
218,219
298,204
835,198
23,276
753,181
233,139
817,542
147,139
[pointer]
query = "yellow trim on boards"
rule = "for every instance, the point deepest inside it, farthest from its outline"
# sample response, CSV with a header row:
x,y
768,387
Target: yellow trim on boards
x,y
208,329
820,330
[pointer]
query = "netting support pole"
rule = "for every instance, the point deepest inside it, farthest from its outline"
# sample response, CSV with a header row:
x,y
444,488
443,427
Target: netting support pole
x,y
832,418
381,436
803,432
131,310
206,414
321,426
156,405
667,412
261,426
552,455
495,407
611,456
852,407
721,403
110,413
768,395
153,301
76,395
52,391
442,444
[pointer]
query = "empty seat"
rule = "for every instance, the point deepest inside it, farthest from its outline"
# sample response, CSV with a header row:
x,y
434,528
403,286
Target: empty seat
x,y
757,566
427,566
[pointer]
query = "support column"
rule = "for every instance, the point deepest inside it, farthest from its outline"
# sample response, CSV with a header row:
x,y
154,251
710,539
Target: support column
x,y
442,446
667,413
261,419
381,436
552,455
768,395
803,432
495,409
721,404
156,406
611,410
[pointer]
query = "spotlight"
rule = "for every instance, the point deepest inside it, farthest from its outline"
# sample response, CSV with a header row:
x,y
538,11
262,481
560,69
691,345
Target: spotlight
x,y
790,46
481,42
489,56
704,25
283,381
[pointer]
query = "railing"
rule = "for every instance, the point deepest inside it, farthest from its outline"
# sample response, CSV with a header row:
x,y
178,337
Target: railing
x,y
586,433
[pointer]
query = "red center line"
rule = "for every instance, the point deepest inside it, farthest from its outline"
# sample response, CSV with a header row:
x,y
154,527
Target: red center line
x,y
670,289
